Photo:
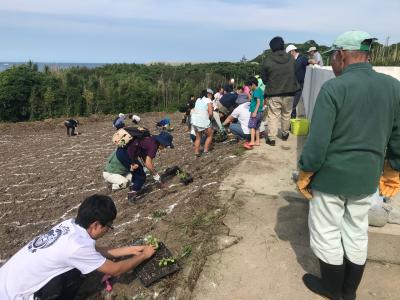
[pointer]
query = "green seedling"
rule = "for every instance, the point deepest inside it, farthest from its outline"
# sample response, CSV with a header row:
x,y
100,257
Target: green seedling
x,y
186,251
159,214
182,174
151,240
166,261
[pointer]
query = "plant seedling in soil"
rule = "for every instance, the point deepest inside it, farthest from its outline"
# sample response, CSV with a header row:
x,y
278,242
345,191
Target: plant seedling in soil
x,y
184,177
159,214
186,251
182,174
166,261
151,240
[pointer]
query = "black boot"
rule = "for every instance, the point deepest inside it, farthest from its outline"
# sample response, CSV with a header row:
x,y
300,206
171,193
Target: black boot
x,y
331,283
352,279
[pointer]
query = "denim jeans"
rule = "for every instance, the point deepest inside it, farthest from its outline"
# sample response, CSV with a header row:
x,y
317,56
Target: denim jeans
x,y
138,178
237,130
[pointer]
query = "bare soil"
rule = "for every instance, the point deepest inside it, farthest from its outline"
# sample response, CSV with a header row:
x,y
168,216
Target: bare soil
x,y
44,175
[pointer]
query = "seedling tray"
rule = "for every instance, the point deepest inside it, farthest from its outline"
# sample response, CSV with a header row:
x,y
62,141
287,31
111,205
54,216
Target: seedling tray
x,y
150,272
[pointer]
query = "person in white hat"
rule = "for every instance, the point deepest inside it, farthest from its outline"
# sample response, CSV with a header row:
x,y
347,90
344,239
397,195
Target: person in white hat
x,y
314,54
301,64
119,122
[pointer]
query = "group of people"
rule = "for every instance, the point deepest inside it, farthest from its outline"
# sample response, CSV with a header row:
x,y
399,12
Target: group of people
x,y
275,94
346,158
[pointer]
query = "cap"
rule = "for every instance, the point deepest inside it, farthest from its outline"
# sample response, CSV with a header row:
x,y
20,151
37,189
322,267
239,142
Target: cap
x,y
290,48
121,115
352,40
312,49
165,139
136,118
210,91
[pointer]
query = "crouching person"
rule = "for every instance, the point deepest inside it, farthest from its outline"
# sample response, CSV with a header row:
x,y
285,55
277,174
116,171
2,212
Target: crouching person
x,y
71,126
52,265
142,152
117,171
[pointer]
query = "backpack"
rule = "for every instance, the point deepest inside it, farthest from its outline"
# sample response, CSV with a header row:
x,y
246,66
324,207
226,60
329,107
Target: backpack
x,y
125,135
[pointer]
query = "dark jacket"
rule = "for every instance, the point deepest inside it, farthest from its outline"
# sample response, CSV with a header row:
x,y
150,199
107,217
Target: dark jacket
x,y
301,66
278,75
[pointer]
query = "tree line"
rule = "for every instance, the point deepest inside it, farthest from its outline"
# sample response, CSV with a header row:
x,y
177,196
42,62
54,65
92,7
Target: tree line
x,y
29,94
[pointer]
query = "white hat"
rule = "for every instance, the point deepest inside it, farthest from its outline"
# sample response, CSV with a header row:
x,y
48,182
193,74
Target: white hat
x,y
312,49
290,48
121,115
210,91
136,118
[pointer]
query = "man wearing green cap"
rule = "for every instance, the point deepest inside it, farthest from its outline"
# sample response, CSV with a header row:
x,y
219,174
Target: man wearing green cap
x,y
353,147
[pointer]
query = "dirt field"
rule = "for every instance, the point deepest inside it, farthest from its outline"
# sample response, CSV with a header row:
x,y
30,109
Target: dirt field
x,y
44,175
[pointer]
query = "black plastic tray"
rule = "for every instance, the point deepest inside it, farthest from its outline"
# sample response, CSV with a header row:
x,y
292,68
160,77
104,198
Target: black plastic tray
x,y
150,272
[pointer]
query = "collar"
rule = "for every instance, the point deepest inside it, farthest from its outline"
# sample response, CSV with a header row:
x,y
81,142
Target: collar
x,y
357,66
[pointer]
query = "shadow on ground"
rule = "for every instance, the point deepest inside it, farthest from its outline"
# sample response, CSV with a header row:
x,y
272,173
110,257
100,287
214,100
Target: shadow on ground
x,y
292,226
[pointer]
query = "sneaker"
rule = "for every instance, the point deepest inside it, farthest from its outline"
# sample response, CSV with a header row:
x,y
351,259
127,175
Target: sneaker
x,y
270,142
285,136
132,195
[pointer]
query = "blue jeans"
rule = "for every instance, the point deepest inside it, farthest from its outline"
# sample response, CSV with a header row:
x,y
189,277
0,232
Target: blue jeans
x,y
138,178
237,130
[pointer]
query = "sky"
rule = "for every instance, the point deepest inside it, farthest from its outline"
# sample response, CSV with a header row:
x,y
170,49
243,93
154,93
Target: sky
x,y
143,31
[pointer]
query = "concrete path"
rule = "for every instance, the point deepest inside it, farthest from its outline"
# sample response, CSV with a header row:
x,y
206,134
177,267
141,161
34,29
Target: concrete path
x,y
270,217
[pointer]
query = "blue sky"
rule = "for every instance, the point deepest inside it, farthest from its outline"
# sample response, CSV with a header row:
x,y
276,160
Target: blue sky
x,y
143,31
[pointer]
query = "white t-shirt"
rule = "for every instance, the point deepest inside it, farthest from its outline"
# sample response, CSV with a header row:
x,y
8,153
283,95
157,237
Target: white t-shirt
x,y
199,116
242,113
65,247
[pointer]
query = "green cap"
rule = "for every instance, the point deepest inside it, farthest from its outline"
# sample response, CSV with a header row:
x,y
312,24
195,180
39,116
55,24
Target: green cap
x,y
352,40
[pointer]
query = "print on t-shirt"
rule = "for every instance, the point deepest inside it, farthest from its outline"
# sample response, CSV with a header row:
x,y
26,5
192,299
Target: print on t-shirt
x,y
47,239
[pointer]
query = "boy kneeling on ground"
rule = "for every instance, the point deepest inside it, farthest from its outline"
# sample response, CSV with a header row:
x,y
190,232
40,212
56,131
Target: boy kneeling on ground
x,y
51,265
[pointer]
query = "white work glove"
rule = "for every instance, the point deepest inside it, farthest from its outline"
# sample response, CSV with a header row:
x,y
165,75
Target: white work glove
x,y
157,177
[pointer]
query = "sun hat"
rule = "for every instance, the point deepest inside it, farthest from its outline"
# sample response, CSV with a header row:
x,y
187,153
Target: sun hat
x,y
165,139
210,91
312,49
121,115
352,40
290,48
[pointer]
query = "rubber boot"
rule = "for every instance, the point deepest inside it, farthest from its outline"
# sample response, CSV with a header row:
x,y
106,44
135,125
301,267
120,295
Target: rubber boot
x,y
331,283
352,279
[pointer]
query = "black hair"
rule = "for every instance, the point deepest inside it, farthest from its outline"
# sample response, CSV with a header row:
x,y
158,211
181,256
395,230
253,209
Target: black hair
x,y
228,87
277,44
97,207
253,80
203,93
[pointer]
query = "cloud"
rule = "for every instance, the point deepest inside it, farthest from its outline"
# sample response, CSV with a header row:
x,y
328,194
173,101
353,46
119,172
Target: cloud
x,y
300,16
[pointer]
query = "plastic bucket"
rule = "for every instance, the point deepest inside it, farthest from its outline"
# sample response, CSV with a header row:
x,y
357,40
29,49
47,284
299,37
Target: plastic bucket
x,y
299,126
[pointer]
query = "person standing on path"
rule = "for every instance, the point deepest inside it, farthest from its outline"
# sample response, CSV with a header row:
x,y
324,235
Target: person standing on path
x,y
354,135
278,74
301,65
